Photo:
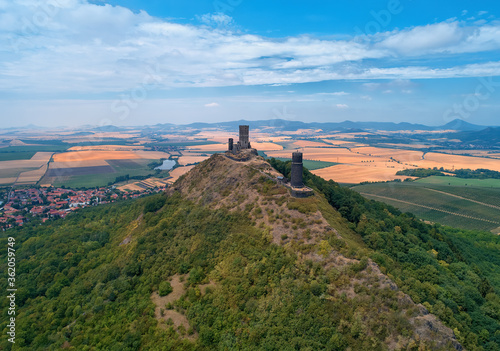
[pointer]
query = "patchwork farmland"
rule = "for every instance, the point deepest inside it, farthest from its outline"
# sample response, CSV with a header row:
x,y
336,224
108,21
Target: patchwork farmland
x,y
449,202
88,168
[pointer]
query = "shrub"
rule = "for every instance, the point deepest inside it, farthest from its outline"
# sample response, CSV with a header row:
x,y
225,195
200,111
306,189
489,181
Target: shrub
x,y
165,289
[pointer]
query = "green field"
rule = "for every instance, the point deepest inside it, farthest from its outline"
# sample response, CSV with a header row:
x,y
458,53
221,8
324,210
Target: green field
x,y
460,182
35,148
311,165
13,156
135,168
467,207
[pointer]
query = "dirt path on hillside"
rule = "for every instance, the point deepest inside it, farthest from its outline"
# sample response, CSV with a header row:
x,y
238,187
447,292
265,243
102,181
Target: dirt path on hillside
x,y
180,322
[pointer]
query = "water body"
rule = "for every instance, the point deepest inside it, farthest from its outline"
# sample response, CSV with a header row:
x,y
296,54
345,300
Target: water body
x,y
167,165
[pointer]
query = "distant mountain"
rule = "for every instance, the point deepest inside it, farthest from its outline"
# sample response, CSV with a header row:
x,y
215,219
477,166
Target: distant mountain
x,y
287,125
487,137
461,125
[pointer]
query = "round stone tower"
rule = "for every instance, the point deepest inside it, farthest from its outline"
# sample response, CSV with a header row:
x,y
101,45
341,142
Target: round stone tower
x,y
297,167
230,145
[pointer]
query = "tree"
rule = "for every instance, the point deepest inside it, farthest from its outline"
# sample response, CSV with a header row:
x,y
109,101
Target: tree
x,y
165,288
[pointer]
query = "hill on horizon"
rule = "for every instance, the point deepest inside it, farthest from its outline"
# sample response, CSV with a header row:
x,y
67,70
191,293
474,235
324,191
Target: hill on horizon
x,y
247,266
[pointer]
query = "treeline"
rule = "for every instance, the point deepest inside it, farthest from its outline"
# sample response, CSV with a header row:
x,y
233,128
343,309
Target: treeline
x,y
480,173
419,172
454,273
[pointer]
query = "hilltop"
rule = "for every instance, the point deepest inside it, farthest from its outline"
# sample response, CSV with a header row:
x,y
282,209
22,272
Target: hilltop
x,y
250,268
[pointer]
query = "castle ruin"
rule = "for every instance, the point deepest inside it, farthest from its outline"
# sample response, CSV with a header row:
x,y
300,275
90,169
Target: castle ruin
x,y
243,143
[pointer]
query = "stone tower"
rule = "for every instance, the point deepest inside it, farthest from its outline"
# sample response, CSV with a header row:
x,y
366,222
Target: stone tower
x,y
230,144
297,167
244,137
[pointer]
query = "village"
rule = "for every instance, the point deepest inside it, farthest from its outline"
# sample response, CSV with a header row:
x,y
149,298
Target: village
x,y
25,204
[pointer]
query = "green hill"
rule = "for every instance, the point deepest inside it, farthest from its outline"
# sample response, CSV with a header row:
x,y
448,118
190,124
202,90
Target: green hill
x,y
244,266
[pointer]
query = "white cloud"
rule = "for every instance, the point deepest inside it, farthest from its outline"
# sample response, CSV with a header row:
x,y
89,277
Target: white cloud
x,y
337,93
446,37
424,39
481,13
342,106
212,104
216,20
75,47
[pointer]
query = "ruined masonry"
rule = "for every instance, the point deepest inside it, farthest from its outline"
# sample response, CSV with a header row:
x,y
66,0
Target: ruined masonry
x,y
296,184
243,143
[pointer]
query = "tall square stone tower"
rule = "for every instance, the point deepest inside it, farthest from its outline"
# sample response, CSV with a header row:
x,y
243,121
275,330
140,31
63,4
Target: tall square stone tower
x,y
244,137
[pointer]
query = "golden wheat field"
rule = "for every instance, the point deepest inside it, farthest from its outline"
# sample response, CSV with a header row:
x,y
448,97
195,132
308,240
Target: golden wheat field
x,y
375,164
82,156
26,170
32,177
356,173
209,147
446,161
179,171
338,155
189,160
307,143
36,161
152,155
7,180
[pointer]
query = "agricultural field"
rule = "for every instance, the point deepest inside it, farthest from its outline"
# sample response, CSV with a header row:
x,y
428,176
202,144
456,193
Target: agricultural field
x,y
178,172
90,168
189,160
145,184
25,171
220,147
354,174
12,156
467,207
106,148
460,182
349,158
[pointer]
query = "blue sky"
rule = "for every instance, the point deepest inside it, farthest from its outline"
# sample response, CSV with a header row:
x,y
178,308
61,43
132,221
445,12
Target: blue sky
x,y
76,62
